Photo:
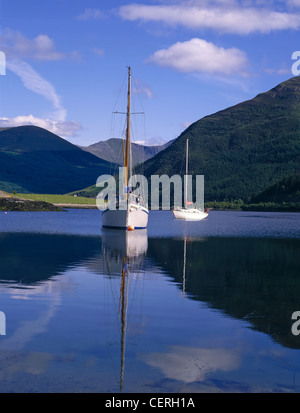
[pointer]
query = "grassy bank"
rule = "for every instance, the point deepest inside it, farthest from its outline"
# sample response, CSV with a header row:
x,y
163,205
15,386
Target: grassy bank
x,y
239,205
261,206
58,199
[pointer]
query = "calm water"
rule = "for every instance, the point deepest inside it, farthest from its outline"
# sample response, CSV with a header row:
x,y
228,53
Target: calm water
x,y
182,307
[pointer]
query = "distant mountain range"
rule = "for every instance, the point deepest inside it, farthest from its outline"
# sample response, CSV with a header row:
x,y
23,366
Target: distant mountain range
x,y
112,151
33,160
242,150
250,151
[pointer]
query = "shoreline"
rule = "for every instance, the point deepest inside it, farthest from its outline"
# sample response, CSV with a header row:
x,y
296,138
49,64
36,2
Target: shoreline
x,y
83,206
89,206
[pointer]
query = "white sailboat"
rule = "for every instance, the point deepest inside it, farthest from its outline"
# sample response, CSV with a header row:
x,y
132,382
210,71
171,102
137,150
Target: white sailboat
x,y
188,214
135,214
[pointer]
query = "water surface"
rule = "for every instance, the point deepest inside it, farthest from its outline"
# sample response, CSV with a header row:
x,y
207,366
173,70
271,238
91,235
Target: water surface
x,y
181,307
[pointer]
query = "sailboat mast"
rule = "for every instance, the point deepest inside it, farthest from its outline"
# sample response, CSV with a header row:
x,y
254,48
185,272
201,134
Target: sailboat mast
x,y
186,170
127,145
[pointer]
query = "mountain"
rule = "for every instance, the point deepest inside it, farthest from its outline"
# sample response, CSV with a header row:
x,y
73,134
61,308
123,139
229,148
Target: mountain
x,y
112,151
286,190
241,150
34,160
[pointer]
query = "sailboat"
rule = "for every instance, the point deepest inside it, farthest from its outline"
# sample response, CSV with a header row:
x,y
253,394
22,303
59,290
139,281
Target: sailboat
x,y
135,214
188,214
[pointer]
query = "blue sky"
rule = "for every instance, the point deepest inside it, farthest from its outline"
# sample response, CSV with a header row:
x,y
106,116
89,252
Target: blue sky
x,y
66,61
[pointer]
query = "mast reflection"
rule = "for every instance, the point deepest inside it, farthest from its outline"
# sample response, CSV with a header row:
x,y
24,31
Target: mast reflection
x,y
124,253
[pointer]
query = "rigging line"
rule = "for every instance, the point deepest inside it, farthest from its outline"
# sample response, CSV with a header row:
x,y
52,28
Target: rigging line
x,y
112,134
119,152
138,93
120,91
131,113
112,123
140,131
114,112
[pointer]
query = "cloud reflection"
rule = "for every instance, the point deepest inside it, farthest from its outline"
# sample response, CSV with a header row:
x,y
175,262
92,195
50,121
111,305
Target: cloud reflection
x,y
193,364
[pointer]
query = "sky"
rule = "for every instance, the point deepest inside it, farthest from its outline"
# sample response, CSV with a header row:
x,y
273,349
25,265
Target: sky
x,y
66,62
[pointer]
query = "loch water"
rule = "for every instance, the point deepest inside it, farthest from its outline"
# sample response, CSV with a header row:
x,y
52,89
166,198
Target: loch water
x,y
182,307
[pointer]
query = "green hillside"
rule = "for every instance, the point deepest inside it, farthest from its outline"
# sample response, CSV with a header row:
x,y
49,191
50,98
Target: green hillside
x,y
33,160
89,192
286,190
241,150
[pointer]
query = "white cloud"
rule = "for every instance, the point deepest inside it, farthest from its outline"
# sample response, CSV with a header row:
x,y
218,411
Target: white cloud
x,y
221,16
60,128
295,3
35,82
141,88
198,55
154,141
44,48
282,70
16,45
99,52
91,14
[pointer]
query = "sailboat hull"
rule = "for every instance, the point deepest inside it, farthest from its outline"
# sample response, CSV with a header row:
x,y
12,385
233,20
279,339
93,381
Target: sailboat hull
x,y
189,214
135,216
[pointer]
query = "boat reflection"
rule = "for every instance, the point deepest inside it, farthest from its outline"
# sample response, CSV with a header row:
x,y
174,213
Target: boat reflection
x,y
124,254
117,244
